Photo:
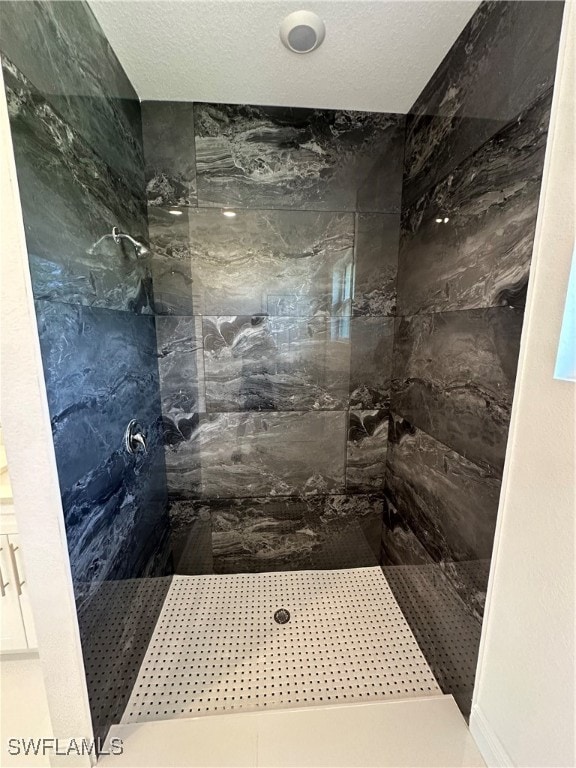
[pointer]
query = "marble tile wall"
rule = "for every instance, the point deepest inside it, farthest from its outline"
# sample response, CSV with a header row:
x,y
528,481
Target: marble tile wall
x,y
454,376
366,450
69,260
475,146
271,533
113,501
275,327
170,162
60,47
273,157
481,256
502,62
76,131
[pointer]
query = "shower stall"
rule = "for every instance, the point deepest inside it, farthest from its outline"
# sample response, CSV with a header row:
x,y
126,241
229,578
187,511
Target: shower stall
x,y
279,347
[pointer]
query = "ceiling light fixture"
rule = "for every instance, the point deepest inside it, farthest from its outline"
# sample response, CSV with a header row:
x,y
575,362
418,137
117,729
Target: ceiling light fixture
x,y
302,32
175,213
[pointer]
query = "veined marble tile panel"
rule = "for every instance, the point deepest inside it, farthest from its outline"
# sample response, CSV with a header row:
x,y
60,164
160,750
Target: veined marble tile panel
x,y
253,535
183,440
285,263
454,375
375,264
61,49
467,578
501,63
481,256
234,455
449,503
275,157
168,130
274,262
191,537
71,200
181,366
400,545
371,362
366,456
171,261
101,372
276,363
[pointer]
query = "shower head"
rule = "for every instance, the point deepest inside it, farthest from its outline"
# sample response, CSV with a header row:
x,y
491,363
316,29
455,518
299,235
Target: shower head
x,y
139,248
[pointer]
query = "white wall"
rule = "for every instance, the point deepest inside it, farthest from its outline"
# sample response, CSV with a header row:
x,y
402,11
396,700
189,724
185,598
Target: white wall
x,y
30,452
523,707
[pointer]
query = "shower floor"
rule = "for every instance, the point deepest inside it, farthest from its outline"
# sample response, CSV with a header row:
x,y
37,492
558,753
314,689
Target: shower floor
x,y
216,647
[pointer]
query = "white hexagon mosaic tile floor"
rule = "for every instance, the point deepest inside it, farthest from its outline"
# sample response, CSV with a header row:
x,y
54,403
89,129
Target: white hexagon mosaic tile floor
x,y
217,647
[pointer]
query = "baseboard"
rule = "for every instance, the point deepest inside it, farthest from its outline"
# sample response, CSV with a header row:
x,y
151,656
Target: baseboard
x,y
487,742
31,653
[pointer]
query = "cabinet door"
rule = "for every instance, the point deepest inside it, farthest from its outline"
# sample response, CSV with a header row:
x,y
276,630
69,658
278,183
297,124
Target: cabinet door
x,y
13,635
19,577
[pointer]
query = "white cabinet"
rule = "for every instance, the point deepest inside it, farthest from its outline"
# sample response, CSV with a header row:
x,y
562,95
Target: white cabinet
x,y
16,623
17,626
13,634
31,642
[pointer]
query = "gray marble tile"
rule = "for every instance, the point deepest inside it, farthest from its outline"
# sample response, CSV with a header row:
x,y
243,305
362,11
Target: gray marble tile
x,y
180,365
366,452
171,261
184,454
371,362
258,362
399,544
454,376
503,61
448,502
61,49
469,578
401,547
271,157
378,188
234,455
253,535
114,503
481,256
69,260
275,262
284,263
375,264
168,131
191,537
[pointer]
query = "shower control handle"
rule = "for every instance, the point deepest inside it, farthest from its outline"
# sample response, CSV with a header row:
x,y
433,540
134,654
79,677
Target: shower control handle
x,y
134,438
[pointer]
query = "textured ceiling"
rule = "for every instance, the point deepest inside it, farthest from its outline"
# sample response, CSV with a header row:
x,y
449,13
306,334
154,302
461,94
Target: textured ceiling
x,y
377,55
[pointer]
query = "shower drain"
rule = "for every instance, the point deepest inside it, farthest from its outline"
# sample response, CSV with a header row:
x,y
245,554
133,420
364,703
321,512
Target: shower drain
x,y
281,616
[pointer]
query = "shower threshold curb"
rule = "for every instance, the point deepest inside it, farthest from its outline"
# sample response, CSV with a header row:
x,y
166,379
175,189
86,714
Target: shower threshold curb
x,y
400,733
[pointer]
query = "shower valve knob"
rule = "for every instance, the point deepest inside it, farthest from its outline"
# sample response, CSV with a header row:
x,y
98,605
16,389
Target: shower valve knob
x,y
134,438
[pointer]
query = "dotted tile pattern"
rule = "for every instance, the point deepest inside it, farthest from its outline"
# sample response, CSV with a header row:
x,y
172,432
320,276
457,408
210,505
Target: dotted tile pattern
x,y
446,630
217,648
120,615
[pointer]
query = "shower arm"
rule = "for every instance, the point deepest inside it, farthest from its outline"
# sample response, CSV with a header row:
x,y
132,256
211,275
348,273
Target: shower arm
x,y
118,236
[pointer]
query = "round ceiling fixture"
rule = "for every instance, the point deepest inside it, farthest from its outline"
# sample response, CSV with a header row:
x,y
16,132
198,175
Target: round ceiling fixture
x,y
302,31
